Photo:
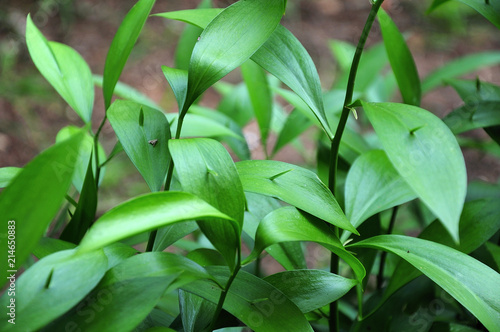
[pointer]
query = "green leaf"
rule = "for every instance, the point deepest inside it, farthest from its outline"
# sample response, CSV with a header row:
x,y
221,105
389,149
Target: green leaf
x,y
479,220
127,92
205,169
145,213
473,116
35,195
52,286
196,312
426,154
86,150
469,281
146,144
156,264
65,70
195,125
401,60
260,96
198,17
47,246
188,40
459,67
114,307
311,289
289,254
296,186
168,235
284,57
489,9
288,224
343,52
372,186
296,123
85,211
178,80
230,39
122,45
7,174
474,90
256,303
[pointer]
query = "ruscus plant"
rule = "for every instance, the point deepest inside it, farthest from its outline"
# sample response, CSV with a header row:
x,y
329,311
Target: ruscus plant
x,y
190,255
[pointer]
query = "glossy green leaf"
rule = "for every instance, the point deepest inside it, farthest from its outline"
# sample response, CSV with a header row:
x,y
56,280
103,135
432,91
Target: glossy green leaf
x,y
472,91
114,307
65,70
289,254
479,220
145,213
426,154
296,186
195,125
178,80
256,303
288,224
7,174
188,40
85,211
311,289
260,96
235,103
127,92
489,9
372,186
230,39
48,177
237,143
296,123
282,55
47,246
401,60
156,264
122,45
206,257
205,169
469,281
52,286
196,312
145,142
459,67
473,116
168,235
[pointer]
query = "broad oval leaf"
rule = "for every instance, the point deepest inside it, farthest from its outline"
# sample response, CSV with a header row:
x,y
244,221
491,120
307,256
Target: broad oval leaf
x,y
178,80
122,45
145,213
373,185
489,9
296,186
469,281
401,60
288,224
144,133
258,304
426,154
52,286
65,70
48,177
230,39
205,169
311,289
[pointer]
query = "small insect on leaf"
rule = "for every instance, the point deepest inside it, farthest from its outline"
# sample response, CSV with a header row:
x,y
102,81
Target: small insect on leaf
x,y
153,142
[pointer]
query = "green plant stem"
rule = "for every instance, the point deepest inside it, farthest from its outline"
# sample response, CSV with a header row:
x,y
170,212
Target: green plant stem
x,y
380,276
334,151
96,146
224,292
